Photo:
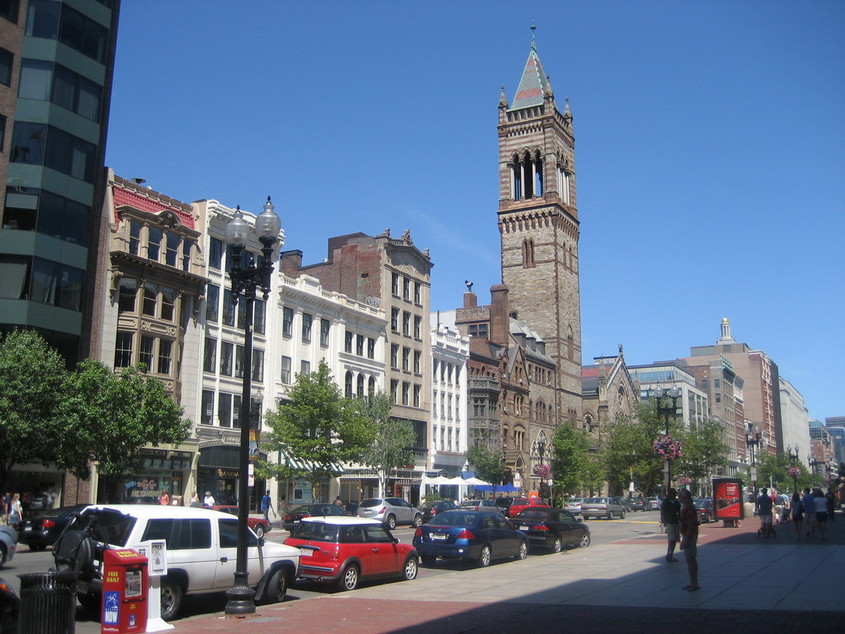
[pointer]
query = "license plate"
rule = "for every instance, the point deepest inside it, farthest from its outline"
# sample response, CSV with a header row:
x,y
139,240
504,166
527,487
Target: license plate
x,y
305,552
439,536
523,528
27,529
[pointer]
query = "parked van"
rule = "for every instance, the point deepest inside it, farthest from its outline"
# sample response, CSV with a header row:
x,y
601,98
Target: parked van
x,y
201,551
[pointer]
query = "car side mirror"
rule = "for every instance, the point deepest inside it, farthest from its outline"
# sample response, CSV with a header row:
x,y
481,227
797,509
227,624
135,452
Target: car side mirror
x,y
578,519
261,542
395,540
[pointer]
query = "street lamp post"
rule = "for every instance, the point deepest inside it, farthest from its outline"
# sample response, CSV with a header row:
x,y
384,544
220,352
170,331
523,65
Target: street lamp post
x,y
247,277
752,442
674,394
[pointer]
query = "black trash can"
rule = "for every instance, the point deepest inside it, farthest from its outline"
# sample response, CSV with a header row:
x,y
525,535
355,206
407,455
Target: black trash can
x,y
48,603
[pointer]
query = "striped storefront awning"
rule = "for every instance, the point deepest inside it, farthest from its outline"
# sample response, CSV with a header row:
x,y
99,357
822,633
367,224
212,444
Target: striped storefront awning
x,y
305,465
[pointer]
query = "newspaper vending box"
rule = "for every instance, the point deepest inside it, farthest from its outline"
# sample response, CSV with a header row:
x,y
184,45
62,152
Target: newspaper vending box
x,y
124,592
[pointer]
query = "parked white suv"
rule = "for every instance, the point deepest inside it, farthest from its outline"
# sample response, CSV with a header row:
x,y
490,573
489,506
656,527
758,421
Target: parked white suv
x,y
391,511
201,551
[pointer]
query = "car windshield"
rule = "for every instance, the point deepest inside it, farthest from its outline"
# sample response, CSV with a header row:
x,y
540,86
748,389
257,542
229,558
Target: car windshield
x,y
597,501
318,531
370,502
454,518
472,502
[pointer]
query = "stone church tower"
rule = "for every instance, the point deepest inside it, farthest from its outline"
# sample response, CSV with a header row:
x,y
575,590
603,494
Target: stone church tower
x,y
538,223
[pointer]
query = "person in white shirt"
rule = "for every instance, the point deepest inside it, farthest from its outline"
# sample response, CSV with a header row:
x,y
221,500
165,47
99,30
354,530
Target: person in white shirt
x,y
208,500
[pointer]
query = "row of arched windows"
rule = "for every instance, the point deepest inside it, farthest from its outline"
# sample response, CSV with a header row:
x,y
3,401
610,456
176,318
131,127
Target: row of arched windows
x,y
527,177
351,381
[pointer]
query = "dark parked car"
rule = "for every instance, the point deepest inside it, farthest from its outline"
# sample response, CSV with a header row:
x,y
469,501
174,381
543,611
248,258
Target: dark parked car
x,y
637,504
554,529
706,512
430,509
469,535
292,519
44,529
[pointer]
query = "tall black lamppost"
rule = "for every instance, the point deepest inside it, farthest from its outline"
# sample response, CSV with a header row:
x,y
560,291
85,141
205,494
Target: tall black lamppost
x,y
247,277
752,442
666,411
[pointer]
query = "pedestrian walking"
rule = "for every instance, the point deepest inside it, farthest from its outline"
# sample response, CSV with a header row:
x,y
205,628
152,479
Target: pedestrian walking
x,y
830,496
796,508
15,510
164,500
688,520
809,512
208,500
820,502
764,510
669,511
266,505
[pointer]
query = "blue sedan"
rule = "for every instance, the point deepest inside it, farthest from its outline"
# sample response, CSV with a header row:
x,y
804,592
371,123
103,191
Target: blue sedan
x,y
469,535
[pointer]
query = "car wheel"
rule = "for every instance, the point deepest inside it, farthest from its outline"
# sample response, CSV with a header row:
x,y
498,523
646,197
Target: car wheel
x,y
349,579
622,515
485,557
259,531
417,520
391,522
609,515
171,599
557,545
428,560
522,553
409,570
277,588
585,540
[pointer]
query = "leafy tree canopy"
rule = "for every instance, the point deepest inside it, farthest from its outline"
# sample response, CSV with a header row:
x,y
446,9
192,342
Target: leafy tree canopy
x,y
488,463
393,438
570,459
318,427
703,452
32,377
111,417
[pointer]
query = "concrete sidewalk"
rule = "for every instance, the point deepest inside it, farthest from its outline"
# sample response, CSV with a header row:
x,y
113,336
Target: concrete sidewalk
x,y
746,582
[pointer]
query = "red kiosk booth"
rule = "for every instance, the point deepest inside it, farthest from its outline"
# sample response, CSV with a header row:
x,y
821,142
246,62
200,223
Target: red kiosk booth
x,y
124,592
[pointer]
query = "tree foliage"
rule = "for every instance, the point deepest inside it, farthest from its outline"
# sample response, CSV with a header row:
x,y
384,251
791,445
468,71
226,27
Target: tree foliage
x,y
570,459
487,463
703,452
111,417
318,428
32,378
629,450
393,438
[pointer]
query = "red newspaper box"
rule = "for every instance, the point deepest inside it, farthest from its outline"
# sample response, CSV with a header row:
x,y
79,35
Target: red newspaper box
x,y
124,591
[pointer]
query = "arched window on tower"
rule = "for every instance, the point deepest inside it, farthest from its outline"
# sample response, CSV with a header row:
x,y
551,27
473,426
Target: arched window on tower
x,y
516,178
537,164
563,184
527,253
570,345
528,175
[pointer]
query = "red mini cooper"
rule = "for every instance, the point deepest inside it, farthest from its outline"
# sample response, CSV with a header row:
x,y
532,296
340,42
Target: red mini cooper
x,y
346,550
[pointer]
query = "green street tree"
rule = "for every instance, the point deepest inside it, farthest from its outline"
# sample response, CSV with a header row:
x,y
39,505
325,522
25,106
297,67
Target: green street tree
x,y
32,376
110,417
317,427
629,450
488,463
570,456
391,447
703,453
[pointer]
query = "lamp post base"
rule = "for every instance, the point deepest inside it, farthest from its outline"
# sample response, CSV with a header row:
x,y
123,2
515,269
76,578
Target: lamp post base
x,y
241,598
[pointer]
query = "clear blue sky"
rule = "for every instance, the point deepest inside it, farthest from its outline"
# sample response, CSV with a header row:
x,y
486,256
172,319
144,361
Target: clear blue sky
x,y
710,152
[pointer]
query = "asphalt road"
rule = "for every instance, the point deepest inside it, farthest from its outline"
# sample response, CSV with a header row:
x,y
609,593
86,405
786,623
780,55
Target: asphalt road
x,y
602,532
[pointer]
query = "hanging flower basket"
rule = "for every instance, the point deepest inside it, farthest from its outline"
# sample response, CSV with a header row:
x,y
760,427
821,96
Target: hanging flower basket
x,y
544,471
794,472
667,447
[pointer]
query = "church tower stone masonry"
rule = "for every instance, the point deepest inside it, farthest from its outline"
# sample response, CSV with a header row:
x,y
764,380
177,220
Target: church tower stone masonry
x,y
539,228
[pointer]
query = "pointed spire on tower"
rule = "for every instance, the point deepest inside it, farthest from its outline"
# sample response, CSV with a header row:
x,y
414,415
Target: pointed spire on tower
x,y
726,337
503,100
532,86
